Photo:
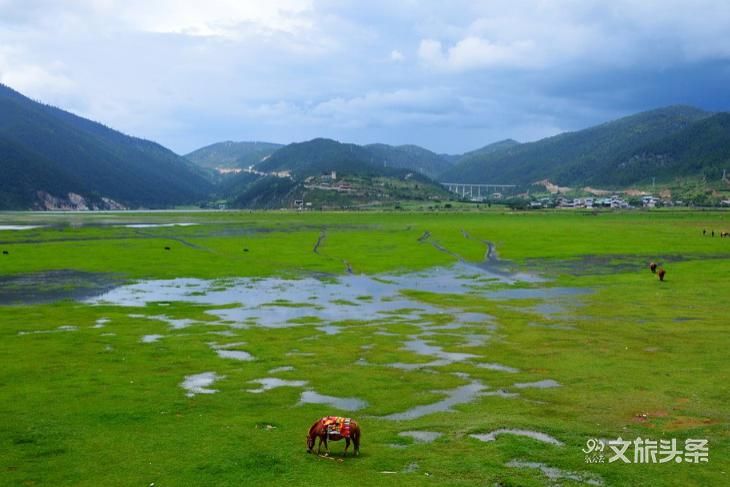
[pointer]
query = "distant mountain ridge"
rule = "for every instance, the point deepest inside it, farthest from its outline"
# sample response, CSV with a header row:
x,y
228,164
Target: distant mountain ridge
x,y
45,151
592,156
492,148
230,154
52,159
411,157
328,172
316,151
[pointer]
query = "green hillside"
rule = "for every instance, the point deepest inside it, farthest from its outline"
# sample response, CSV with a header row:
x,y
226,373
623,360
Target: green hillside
x,y
359,179
576,158
700,150
232,154
410,157
502,145
47,149
320,155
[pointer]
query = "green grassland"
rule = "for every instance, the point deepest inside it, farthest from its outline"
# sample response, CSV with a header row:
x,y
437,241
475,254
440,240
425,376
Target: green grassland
x,y
634,357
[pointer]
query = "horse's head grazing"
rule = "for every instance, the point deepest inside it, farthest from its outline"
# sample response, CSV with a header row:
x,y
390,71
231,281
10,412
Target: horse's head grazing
x,y
310,443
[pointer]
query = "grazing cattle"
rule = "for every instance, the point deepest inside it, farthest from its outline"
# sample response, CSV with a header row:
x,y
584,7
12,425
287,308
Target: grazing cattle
x,y
245,250
334,428
167,248
5,252
652,266
704,232
724,234
661,272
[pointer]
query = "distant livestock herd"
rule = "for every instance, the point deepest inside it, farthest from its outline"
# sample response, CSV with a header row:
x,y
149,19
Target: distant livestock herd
x,y
712,233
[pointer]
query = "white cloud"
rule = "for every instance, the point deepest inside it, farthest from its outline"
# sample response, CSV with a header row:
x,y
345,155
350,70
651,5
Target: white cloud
x,y
33,80
218,18
397,56
474,53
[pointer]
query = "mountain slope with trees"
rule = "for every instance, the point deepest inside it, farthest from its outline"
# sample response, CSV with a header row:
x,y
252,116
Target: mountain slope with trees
x,y
576,158
410,157
64,154
232,154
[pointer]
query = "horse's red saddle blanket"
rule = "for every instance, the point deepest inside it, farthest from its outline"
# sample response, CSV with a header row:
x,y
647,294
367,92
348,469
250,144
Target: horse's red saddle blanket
x,y
337,425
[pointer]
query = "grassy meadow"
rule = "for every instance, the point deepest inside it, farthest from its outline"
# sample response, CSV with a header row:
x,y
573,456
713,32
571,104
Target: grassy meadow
x,y
91,392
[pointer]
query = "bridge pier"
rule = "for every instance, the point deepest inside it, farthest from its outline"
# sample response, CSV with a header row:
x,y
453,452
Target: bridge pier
x,y
461,189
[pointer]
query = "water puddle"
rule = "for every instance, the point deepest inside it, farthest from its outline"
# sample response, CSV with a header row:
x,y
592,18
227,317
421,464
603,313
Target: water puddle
x,y
498,367
500,393
151,338
19,227
330,305
199,383
460,395
60,329
535,435
555,474
329,329
541,384
101,323
268,383
235,355
175,324
421,347
538,293
225,351
421,436
409,366
342,403
285,368
158,225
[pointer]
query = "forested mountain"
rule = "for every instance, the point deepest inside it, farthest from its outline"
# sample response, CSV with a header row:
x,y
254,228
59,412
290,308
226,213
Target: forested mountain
x,y
52,159
232,154
304,172
47,153
585,157
492,148
410,157
320,155
702,149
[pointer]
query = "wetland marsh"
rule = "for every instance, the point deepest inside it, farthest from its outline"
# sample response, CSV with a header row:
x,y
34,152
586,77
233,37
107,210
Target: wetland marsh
x,y
197,348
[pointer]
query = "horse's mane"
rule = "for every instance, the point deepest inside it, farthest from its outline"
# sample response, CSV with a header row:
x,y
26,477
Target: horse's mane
x,y
314,426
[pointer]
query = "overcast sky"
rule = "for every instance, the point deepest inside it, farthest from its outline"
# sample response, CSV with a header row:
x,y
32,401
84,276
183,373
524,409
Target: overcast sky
x,y
448,75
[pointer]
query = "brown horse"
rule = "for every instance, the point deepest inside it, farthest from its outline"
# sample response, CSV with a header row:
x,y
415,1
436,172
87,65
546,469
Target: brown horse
x,y
334,428
652,266
660,272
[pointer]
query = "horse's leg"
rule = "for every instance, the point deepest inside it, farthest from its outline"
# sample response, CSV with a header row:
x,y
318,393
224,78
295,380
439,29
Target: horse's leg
x,y
356,442
319,448
326,446
347,445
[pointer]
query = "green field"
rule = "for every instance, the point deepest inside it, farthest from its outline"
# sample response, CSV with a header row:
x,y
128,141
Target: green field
x,y
398,313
